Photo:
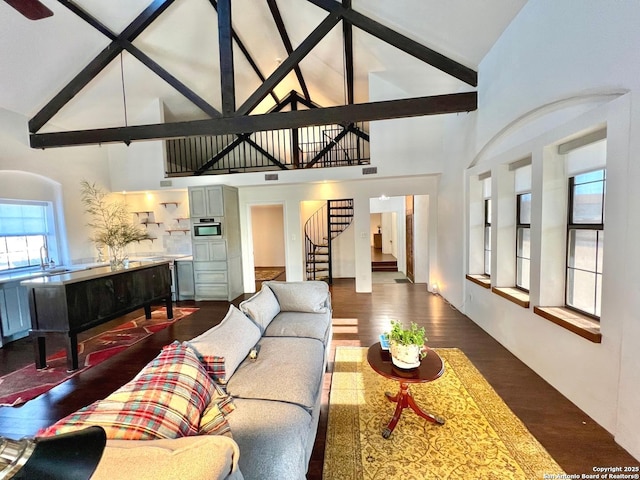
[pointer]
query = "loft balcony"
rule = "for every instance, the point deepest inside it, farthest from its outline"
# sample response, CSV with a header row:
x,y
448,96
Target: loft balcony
x,y
321,146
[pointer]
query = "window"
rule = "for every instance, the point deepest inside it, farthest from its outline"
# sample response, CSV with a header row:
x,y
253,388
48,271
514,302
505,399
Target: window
x,y
585,240
523,240
23,231
487,236
486,193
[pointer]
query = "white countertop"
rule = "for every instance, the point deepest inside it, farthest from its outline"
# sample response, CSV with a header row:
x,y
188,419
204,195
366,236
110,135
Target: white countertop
x,y
19,276
85,274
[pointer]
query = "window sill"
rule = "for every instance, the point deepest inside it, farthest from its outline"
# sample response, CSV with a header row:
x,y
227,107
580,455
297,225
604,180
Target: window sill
x,y
572,321
513,294
481,280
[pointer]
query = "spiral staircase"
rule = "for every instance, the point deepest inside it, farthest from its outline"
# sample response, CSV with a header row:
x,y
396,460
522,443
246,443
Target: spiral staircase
x,y
320,229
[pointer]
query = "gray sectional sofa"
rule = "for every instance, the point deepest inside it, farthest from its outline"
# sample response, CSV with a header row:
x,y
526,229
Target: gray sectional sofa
x,y
277,396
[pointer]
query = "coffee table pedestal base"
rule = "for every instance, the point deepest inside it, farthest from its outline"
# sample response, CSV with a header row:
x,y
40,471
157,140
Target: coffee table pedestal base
x,y
404,399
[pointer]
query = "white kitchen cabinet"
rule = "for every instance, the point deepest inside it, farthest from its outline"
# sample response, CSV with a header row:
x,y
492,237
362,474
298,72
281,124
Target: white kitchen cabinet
x,y
206,202
15,319
217,261
209,250
186,289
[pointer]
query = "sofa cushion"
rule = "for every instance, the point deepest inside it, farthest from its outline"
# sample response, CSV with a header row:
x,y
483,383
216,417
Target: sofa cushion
x,y
231,339
287,369
300,324
273,439
165,400
309,296
189,458
261,307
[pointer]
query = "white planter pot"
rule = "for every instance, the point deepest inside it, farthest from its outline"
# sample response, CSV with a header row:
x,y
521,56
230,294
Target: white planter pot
x,y
405,356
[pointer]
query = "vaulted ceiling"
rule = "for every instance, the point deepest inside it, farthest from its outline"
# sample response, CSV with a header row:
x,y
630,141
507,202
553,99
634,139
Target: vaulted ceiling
x,y
100,65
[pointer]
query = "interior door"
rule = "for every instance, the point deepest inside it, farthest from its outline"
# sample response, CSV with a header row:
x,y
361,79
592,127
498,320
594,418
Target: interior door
x,y
409,235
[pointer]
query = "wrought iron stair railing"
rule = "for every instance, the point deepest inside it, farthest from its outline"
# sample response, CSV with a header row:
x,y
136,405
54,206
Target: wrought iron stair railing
x,y
320,229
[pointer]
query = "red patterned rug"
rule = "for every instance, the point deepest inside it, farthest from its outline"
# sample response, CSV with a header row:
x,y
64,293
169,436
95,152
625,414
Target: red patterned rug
x,y
27,383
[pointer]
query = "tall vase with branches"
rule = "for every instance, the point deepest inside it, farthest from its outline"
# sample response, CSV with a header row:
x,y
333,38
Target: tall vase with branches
x,y
111,223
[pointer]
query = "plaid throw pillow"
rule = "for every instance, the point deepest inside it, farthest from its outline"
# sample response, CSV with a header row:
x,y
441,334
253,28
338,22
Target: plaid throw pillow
x,y
165,400
214,421
214,365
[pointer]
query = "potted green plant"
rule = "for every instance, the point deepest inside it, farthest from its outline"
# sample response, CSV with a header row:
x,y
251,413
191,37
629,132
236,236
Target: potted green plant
x,y
111,223
406,345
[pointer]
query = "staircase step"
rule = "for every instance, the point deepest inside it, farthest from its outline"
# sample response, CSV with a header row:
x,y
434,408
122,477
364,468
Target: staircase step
x,y
384,266
317,270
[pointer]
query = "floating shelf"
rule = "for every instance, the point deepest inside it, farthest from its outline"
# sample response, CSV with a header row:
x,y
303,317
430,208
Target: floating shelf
x,y
179,219
164,204
145,212
183,230
145,223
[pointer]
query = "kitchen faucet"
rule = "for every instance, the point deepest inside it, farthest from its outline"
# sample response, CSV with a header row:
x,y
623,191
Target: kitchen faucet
x,y
44,257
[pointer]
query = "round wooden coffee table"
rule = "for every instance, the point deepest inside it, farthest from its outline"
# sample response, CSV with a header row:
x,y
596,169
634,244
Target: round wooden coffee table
x,y
431,368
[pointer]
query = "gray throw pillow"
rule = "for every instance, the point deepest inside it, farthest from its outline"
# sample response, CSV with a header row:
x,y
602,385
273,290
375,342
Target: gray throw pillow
x,y
310,296
261,308
232,339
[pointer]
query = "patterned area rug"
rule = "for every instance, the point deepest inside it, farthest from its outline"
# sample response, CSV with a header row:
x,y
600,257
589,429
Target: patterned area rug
x,y
27,383
268,274
481,439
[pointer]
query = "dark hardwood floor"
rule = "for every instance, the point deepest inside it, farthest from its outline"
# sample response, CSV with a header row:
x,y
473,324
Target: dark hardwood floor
x,y
573,439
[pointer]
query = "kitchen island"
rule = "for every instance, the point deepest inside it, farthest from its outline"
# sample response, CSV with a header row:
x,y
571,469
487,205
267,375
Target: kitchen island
x,y
73,302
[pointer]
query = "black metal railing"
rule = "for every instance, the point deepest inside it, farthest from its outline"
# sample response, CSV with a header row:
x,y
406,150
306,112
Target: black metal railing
x,y
307,147
320,229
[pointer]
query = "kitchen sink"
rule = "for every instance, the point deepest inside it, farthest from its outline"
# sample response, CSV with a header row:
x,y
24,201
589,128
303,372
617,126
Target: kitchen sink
x,y
56,271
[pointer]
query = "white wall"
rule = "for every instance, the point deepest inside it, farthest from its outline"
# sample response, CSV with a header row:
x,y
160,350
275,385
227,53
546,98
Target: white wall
x,y
293,197
536,90
267,225
393,219
421,238
375,222
171,218
65,167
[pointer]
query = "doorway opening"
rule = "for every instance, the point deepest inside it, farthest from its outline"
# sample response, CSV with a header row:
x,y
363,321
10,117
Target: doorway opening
x,y
267,226
399,239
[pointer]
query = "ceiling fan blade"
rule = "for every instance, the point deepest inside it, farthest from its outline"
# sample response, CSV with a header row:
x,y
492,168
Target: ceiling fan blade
x,y
32,9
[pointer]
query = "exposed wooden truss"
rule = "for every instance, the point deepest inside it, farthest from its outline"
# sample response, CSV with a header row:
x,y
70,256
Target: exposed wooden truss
x,y
237,120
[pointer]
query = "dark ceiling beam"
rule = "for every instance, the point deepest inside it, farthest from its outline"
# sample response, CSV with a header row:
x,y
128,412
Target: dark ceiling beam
x,y
221,154
327,148
288,101
269,156
289,64
413,48
97,64
358,133
342,115
87,74
225,42
89,19
347,33
144,59
286,41
146,18
245,137
291,97
246,53
180,87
